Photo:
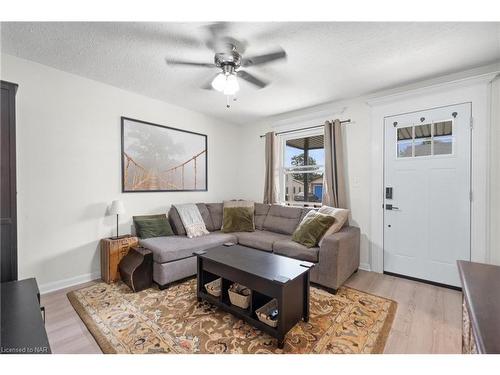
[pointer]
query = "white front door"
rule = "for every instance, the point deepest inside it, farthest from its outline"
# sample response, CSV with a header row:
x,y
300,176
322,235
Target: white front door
x,y
427,193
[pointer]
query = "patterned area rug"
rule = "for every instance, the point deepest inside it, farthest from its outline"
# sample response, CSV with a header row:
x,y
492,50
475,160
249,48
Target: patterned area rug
x,y
172,321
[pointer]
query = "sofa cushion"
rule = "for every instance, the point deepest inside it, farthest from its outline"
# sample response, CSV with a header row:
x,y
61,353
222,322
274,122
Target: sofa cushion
x,y
282,219
261,211
176,222
295,250
207,218
260,239
216,210
168,249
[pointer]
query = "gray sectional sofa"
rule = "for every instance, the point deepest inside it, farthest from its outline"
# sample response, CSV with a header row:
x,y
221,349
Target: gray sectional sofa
x,y
336,259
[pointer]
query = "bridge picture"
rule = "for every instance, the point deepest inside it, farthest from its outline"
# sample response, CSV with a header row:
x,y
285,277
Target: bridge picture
x,y
161,158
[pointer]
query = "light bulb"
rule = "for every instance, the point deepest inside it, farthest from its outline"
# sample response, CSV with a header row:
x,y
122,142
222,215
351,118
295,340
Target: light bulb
x,y
219,82
232,85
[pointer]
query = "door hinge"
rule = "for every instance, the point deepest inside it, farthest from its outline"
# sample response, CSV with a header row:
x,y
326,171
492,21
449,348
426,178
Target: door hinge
x,y
470,196
471,123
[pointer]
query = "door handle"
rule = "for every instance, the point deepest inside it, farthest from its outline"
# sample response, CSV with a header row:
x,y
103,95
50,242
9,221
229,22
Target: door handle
x,y
390,207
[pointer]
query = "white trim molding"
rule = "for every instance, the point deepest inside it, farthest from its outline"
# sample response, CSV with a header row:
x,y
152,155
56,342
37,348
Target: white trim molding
x,y
475,90
65,283
365,266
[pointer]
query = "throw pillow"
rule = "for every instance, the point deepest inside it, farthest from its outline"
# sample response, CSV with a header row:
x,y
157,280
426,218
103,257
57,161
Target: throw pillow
x,y
312,228
148,226
340,215
238,216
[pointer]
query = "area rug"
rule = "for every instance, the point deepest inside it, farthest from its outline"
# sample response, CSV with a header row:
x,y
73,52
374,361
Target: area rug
x,y
173,321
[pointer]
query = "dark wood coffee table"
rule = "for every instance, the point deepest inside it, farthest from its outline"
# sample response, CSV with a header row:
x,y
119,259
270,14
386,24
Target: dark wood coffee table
x,y
267,275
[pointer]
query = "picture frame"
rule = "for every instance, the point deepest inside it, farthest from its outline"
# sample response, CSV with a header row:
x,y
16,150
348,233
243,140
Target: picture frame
x,y
159,158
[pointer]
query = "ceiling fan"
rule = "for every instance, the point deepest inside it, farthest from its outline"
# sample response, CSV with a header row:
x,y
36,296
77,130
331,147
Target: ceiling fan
x,y
230,61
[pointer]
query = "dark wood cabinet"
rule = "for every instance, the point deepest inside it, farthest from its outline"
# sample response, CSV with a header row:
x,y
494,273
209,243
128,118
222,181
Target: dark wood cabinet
x,y
22,329
8,216
481,307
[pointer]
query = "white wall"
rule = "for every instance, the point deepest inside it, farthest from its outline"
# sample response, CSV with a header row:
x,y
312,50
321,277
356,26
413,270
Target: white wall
x,y
357,150
68,166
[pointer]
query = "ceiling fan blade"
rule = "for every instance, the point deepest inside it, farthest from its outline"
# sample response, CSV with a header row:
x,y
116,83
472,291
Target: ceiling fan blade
x,y
252,79
215,38
216,29
173,62
208,84
262,59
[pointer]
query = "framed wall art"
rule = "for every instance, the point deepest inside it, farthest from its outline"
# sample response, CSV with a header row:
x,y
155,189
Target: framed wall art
x,y
161,158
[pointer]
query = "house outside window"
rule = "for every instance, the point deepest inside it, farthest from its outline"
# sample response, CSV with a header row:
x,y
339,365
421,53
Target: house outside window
x,y
301,168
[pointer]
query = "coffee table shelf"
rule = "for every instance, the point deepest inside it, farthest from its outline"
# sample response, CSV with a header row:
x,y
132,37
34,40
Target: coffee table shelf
x,y
243,314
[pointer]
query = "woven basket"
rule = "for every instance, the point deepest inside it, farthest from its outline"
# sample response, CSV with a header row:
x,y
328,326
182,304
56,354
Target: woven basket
x,y
263,313
214,287
240,295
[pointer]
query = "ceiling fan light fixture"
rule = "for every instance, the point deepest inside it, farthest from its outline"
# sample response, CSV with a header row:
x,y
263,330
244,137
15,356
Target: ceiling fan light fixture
x,y
232,85
219,82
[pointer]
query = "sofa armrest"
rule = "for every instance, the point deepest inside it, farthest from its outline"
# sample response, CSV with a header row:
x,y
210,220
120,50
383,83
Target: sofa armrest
x,y
339,255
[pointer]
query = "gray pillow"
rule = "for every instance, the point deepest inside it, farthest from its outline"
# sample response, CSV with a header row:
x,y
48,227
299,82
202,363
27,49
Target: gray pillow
x,y
207,218
176,222
216,213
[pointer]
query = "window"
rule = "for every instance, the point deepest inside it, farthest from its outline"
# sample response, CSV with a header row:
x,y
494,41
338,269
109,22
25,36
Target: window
x,y
302,166
425,139
443,138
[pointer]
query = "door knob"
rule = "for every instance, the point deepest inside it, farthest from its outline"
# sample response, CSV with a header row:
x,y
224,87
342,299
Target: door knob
x,y
390,207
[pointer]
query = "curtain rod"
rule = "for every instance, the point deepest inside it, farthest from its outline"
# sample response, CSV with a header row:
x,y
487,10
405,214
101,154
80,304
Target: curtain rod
x,y
309,127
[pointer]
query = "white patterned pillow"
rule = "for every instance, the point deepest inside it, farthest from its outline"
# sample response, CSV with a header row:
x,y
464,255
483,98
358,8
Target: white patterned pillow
x,y
191,219
340,215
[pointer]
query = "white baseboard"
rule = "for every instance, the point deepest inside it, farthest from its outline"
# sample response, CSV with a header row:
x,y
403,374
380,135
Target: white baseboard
x,y
61,284
365,266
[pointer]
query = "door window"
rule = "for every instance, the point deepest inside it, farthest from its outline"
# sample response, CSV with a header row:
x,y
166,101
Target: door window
x,y
405,142
443,138
425,139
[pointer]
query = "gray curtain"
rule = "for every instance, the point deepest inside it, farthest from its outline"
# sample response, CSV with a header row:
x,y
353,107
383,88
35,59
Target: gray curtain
x,y
334,190
271,180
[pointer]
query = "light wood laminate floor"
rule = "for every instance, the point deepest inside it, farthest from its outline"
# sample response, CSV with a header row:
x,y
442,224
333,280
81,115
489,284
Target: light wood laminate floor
x,y
428,318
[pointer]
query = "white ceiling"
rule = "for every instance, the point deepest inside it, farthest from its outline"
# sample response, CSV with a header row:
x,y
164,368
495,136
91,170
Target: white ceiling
x,y
326,61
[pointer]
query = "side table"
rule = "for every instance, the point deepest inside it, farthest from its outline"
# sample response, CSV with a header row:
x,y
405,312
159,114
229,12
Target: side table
x,y
112,251
136,268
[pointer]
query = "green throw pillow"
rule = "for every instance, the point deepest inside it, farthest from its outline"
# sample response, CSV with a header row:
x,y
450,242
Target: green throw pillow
x,y
148,226
312,228
238,219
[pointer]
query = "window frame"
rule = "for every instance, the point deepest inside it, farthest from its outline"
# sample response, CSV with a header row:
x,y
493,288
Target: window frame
x,y
283,138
